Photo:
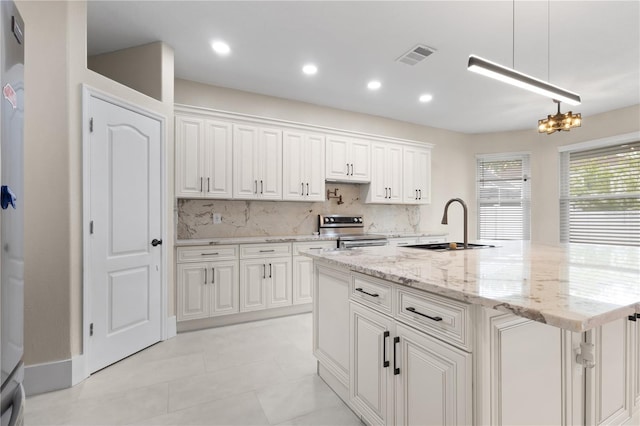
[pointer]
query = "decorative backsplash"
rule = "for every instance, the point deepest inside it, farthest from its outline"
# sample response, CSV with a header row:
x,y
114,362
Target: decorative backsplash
x,y
258,218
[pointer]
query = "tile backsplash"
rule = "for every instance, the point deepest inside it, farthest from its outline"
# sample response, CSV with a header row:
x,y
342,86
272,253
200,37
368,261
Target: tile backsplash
x,y
272,218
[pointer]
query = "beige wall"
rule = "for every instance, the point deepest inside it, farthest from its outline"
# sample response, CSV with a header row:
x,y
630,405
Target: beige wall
x,y
138,67
449,146
545,214
55,64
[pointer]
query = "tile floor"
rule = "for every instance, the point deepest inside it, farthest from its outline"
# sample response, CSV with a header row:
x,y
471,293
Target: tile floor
x,y
258,373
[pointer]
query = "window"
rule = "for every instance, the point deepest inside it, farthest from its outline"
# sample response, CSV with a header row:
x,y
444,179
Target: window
x,y
503,191
600,195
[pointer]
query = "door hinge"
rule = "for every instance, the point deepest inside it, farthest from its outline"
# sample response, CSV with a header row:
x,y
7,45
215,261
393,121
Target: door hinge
x,y
585,355
91,227
91,329
91,125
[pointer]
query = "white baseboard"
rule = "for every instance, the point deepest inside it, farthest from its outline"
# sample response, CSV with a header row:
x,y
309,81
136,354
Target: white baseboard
x,y
79,369
172,327
47,377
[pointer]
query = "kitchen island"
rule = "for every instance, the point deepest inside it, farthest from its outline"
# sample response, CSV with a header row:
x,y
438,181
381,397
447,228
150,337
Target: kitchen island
x,y
517,334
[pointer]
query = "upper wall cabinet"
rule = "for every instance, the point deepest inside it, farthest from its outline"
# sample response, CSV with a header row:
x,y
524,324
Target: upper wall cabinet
x,y
348,159
417,175
257,162
386,174
203,158
303,166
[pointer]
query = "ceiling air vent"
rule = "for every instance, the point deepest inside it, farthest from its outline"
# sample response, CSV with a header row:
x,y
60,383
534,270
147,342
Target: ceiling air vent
x,y
416,55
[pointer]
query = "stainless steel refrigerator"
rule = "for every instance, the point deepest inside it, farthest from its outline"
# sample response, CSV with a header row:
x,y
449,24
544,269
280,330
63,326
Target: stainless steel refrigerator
x,y
12,213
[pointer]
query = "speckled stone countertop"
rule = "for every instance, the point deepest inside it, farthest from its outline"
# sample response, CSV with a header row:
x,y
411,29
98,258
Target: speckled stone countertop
x,y
283,239
575,287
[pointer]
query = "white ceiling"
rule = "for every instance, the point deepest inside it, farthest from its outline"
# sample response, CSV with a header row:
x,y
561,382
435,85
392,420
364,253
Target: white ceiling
x,y
595,51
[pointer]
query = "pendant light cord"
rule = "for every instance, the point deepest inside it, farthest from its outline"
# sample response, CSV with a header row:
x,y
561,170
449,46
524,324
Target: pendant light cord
x,y
549,40
513,35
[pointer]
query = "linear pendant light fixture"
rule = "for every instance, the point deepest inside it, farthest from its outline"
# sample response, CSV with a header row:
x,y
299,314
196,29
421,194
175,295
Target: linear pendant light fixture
x,y
518,79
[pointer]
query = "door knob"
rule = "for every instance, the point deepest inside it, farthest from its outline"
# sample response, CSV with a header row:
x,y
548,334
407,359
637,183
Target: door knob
x,y
156,242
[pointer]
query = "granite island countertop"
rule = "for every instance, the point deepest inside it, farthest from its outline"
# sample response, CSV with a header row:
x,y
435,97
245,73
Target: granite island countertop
x,y
575,286
287,239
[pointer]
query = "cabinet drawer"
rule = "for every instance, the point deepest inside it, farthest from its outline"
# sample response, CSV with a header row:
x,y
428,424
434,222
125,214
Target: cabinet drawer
x,y
307,245
254,251
449,319
433,239
200,254
372,292
403,241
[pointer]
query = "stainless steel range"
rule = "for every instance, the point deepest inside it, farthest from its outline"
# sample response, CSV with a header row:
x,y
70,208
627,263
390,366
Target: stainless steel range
x,y
349,230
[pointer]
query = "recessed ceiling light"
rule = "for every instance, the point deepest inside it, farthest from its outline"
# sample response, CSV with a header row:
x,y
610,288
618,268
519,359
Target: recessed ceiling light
x,y
426,97
374,85
310,69
220,47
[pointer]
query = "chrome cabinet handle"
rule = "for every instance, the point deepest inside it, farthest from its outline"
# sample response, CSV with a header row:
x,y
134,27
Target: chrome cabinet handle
x,y
351,169
255,182
417,195
413,310
208,185
208,254
213,275
420,191
205,276
200,184
347,169
267,251
261,187
269,270
264,271
302,185
307,188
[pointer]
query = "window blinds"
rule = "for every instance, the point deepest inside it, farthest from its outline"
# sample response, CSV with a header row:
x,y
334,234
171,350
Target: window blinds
x,y
600,195
503,194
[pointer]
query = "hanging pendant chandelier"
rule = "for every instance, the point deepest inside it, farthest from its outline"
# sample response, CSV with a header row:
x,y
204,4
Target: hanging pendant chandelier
x,y
559,122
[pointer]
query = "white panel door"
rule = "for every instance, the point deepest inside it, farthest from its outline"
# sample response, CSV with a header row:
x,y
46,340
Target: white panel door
x,y
293,178
245,158
279,282
378,190
315,168
394,173
193,302
433,384
302,280
253,295
337,161
125,209
609,382
189,163
218,159
360,161
270,164
224,288
371,377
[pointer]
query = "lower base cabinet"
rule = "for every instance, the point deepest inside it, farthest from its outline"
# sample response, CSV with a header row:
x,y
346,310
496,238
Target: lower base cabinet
x,y
402,376
265,283
510,370
207,289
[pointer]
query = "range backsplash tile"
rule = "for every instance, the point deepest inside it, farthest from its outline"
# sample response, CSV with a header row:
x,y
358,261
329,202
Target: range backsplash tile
x,y
256,218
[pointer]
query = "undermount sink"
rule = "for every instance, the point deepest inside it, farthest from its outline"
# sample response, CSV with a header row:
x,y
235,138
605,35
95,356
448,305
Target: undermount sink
x,y
446,246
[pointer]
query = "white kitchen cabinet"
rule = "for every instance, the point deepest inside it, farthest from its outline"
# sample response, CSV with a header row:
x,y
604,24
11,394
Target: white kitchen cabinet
x,y
203,158
610,383
303,270
402,376
416,175
386,174
331,322
257,162
303,166
207,282
348,159
265,276
371,381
